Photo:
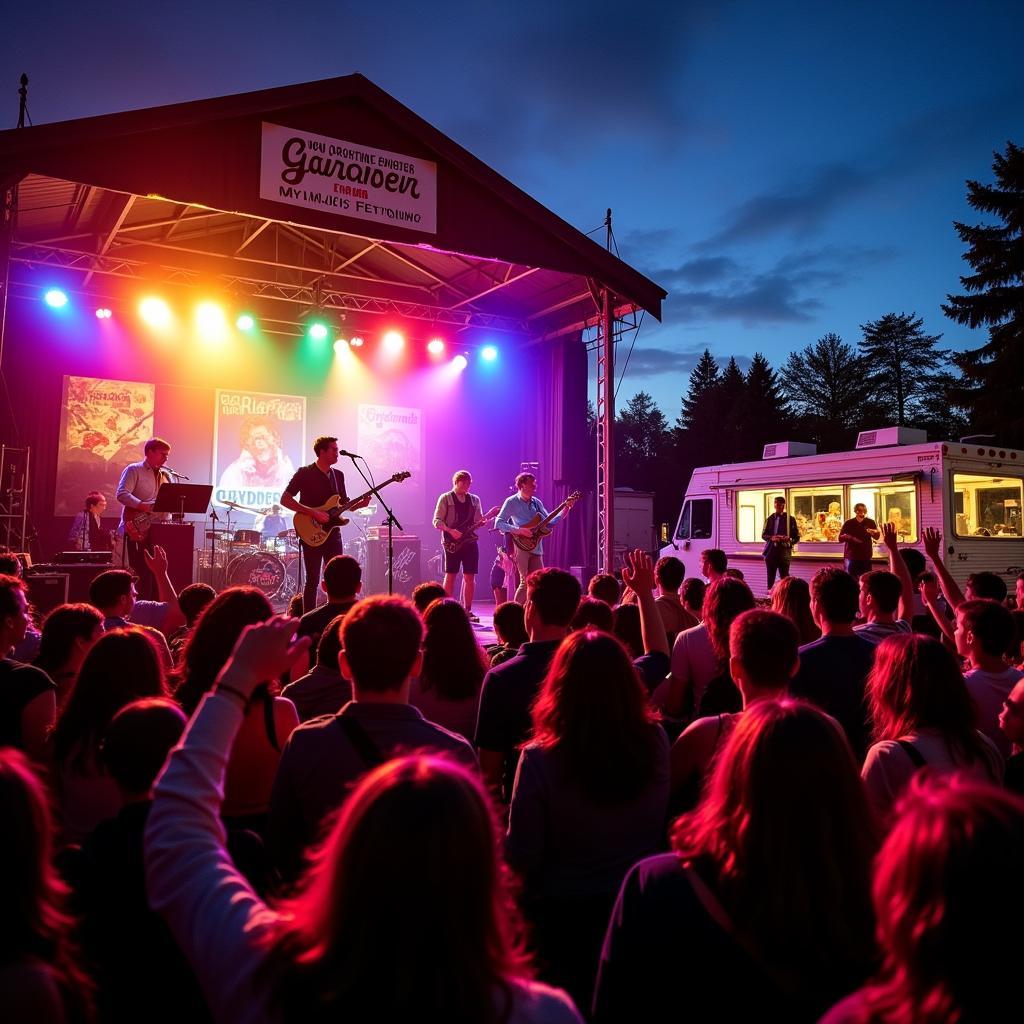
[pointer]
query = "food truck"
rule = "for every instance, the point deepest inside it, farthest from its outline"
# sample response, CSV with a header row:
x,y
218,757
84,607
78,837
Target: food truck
x,y
972,493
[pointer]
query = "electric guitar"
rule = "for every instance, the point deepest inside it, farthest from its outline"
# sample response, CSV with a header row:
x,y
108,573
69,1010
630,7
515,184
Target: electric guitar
x,y
451,545
137,522
540,528
314,534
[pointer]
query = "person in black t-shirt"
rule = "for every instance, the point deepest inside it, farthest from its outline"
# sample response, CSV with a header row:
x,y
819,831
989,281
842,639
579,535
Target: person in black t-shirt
x,y
315,484
857,535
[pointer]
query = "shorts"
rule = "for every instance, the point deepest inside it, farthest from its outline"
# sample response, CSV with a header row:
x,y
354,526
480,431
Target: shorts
x,y
467,558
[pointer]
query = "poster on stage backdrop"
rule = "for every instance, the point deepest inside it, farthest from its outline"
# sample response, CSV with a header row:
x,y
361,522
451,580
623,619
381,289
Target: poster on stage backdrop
x,y
104,424
320,173
389,437
258,440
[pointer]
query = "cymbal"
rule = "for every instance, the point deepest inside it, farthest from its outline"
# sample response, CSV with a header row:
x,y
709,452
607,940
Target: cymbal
x,y
244,508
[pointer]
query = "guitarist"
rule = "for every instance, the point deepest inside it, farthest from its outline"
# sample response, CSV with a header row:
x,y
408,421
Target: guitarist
x,y
456,513
315,484
518,509
136,491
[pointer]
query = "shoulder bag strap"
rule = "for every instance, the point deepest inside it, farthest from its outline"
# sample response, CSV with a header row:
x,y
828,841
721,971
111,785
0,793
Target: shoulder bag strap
x,y
913,753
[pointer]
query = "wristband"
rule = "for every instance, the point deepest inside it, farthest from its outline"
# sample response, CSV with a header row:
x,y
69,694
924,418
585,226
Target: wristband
x,y
233,689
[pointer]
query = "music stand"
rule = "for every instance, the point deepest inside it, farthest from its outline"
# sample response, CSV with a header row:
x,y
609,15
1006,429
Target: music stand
x,y
179,499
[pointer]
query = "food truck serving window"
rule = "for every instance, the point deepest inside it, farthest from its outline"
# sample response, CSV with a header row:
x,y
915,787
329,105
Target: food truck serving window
x,y
752,509
987,505
819,511
889,503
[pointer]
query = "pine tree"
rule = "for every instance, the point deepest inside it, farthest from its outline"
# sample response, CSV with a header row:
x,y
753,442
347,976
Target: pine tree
x,y
703,378
766,413
644,457
730,403
993,373
902,363
827,386
698,428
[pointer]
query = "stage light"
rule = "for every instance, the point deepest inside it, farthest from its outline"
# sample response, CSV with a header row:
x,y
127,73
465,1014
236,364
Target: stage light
x,y
355,342
488,353
340,346
318,330
245,322
55,298
394,342
460,362
435,346
102,313
155,312
210,320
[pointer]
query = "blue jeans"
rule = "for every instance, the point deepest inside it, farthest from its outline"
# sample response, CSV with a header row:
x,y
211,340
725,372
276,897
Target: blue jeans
x,y
313,559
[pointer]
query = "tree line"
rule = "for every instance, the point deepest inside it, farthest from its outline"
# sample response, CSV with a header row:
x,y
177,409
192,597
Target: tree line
x,y
895,374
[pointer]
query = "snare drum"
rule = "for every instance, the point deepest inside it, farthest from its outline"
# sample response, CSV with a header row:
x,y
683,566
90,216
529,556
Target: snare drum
x,y
260,569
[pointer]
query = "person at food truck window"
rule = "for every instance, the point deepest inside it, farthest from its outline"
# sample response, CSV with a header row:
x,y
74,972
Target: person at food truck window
x,y
857,534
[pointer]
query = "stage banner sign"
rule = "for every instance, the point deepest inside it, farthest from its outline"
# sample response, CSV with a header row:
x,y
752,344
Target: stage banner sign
x,y
389,437
104,424
301,169
258,440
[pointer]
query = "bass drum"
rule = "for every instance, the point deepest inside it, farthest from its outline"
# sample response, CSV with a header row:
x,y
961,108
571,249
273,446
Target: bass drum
x,y
260,569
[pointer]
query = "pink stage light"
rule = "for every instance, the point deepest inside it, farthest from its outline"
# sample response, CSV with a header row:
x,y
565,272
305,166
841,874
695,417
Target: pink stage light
x,y
102,313
394,342
436,346
355,341
460,362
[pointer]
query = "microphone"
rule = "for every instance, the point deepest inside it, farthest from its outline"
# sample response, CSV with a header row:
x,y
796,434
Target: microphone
x,y
174,472
350,455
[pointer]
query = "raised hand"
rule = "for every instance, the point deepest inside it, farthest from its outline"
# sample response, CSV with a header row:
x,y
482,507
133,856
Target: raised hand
x,y
639,574
889,536
157,561
263,651
932,543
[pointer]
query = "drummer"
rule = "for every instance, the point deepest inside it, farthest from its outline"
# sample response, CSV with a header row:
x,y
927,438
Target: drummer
x,y
272,524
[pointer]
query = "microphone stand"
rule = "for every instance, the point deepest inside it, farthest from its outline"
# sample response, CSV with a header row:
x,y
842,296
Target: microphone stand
x,y
214,519
391,522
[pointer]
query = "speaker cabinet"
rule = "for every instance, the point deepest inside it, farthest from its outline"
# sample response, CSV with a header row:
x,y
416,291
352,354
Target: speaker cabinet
x,y
407,566
46,591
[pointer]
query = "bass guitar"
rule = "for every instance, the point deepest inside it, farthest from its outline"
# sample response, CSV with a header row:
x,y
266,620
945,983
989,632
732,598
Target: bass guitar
x,y
540,528
451,545
314,534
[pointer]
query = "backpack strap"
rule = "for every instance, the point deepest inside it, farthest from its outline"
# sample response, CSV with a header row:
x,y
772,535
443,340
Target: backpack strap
x,y
361,740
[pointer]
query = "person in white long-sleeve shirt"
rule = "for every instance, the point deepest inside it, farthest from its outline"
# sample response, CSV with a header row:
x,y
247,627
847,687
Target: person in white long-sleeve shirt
x,y
402,915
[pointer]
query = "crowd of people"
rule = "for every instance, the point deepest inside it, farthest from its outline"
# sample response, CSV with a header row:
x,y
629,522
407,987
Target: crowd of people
x,y
657,797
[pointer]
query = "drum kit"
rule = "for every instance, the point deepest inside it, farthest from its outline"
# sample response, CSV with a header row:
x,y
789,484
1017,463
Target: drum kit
x,y
247,558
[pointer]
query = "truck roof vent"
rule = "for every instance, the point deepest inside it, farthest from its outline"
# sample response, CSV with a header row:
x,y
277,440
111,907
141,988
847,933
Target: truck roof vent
x,y
885,437
788,449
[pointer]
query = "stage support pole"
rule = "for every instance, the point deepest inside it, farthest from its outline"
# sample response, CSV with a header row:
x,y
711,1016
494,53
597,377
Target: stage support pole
x,y
606,434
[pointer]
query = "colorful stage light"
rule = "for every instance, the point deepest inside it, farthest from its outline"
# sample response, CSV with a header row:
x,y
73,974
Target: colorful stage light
x,y
355,341
394,342
210,321
435,346
102,313
488,353
318,330
460,362
55,298
155,312
340,346
245,322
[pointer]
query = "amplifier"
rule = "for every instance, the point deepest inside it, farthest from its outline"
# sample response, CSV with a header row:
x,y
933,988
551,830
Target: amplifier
x,y
85,557
407,566
78,577
46,590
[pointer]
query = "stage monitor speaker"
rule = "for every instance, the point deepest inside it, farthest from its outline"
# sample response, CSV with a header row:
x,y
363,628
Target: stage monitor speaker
x,y
46,591
178,540
407,566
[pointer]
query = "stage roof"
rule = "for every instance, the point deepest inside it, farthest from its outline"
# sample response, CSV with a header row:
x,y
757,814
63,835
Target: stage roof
x,y
180,196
